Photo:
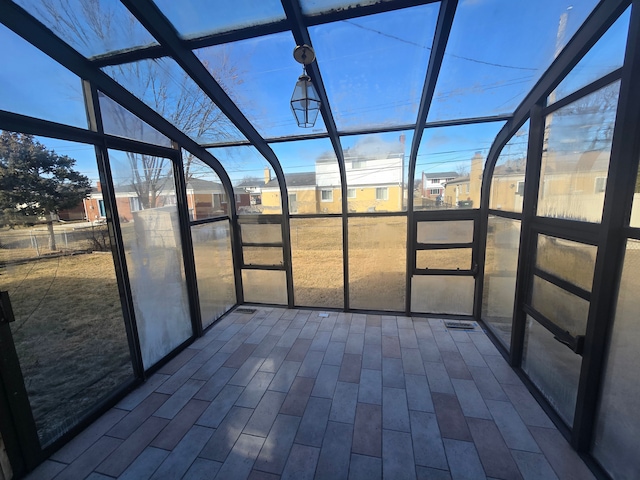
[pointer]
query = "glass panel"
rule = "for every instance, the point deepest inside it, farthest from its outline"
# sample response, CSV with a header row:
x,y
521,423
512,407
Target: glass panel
x,y
196,18
377,263
507,182
69,329
262,255
500,268
373,67
376,167
265,286
553,368
206,196
119,121
316,191
454,231
449,165
315,7
260,75
261,233
214,270
35,85
167,89
153,248
635,204
570,261
255,186
91,27
618,421
561,307
316,254
442,294
447,259
575,161
603,58
487,68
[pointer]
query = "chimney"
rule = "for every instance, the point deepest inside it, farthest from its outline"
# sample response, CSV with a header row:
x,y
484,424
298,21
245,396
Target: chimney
x,y
475,178
267,175
402,139
99,186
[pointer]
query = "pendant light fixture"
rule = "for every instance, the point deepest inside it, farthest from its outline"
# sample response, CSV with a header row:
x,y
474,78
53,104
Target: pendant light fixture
x,y
305,102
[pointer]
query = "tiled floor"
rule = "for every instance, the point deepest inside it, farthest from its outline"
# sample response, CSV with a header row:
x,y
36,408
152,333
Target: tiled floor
x,y
293,394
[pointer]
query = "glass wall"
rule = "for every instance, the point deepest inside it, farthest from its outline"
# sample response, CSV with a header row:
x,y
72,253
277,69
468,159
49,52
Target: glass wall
x,y
507,182
151,235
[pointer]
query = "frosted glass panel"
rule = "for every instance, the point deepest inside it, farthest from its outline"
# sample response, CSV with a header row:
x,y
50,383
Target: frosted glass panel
x,y
618,422
153,248
570,261
261,233
214,270
442,294
447,259
500,268
265,286
262,255
457,231
553,368
561,307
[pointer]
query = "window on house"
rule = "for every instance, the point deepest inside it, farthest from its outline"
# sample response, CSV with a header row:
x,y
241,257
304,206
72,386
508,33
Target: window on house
x,y
435,180
326,195
351,193
101,208
467,188
134,204
520,189
601,184
434,191
293,202
382,193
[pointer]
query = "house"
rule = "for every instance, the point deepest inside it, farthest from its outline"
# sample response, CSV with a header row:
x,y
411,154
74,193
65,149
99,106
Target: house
x,y
464,191
302,190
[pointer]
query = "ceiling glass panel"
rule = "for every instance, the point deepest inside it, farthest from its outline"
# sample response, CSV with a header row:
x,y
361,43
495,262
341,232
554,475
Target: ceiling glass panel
x,y
497,50
92,27
35,85
604,57
250,174
450,163
167,89
259,74
315,7
374,67
196,18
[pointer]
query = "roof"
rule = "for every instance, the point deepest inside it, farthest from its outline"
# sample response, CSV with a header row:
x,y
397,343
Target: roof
x,y
198,184
440,175
303,179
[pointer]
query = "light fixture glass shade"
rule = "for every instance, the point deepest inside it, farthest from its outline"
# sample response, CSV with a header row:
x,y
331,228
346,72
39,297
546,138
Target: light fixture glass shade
x,y
305,102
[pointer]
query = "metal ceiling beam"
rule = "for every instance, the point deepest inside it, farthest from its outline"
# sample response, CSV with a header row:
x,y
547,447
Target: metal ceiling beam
x,y
440,39
301,35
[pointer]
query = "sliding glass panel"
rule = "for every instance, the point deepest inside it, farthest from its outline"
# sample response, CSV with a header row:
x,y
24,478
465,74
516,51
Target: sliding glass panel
x,y
575,162
261,233
316,253
561,307
500,269
454,231
153,248
618,421
553,368
214,269
449,259
377,262
262,255
567,260
265,286
442,294
507,182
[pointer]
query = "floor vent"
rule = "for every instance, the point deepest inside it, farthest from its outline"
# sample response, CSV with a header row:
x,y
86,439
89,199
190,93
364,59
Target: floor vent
x,y
245,310
459,324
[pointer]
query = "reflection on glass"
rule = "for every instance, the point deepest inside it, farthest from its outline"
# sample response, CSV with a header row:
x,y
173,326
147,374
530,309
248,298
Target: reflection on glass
x,y
603,58
618,421
91,27
261,233
35,85
315,7
191,19
376,167
69,329
561,307
575,161
311,190
455,231
507,182
119,121
153,248
259,74
377,263
450,164
316,254
255,185
262,255
206,196
377,80
479,76
265,286
553,368
442,294
447,259
570,261
500,268
167,89
214,270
